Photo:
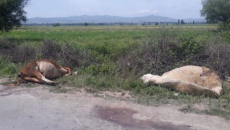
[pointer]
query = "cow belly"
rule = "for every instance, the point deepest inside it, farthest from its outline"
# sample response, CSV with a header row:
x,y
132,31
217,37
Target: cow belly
x,y
51,74
49,70
192,74
187,73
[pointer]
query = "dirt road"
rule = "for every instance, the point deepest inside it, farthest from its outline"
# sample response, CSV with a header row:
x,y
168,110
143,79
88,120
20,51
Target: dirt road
x,y
36,108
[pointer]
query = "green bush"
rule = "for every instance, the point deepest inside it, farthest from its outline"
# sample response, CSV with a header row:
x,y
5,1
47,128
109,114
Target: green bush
x,y
223,26
7,68
188,45
226,35
105,68
116,59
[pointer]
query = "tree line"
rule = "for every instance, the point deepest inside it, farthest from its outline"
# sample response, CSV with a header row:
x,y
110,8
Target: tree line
x,y
12,14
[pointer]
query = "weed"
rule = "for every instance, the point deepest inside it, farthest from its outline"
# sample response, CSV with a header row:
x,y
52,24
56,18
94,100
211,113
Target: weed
x,y
58,89
7,68
114,58
30,85
218,112
188,109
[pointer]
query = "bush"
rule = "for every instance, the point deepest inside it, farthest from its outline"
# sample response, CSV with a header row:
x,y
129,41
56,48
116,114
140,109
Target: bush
x,y
188,45
158,56
155,56
159,53
223,26
65,53
7,68
225,35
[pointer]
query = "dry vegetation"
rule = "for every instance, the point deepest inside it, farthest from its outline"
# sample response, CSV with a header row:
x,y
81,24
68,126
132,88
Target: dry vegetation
x,y
113,58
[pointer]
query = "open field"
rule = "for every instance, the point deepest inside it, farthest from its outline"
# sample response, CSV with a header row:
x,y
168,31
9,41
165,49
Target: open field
x,y
70,33
114,57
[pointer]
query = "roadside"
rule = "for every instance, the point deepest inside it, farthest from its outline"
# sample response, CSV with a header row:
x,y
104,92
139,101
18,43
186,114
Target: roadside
x,y
39,109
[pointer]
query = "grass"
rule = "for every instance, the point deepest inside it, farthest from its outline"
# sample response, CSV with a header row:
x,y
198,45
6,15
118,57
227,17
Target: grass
x,y
58,89
114,57
213,111
218,112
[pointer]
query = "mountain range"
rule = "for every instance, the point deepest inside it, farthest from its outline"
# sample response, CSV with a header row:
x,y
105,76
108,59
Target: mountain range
x,y
107,19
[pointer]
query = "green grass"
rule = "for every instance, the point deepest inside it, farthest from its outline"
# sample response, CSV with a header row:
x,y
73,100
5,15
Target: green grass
x,y
58,89
7,69
218,112
102,49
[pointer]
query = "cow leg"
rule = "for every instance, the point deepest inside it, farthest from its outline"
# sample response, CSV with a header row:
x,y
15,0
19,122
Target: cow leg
x,y
32,79
37,77
46,80
41,77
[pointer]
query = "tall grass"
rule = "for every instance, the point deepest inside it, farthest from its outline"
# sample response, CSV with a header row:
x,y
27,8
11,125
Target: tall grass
x,y
115,57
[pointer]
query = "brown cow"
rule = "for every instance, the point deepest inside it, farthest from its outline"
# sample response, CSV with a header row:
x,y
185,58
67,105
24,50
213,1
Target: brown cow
x,y
188,79
42,71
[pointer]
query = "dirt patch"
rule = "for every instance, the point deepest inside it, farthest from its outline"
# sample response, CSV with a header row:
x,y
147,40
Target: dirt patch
x,y
8,90
124,117
37,108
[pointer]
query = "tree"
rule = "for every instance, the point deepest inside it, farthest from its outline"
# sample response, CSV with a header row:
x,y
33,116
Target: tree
x,y
86,24
12,14
216,11
56,24
182,21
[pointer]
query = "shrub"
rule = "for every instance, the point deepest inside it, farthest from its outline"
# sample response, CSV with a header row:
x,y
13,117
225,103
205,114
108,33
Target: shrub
x,y
160,55
225,35
64,53
7,68
6,44
153,56
223,26
188,46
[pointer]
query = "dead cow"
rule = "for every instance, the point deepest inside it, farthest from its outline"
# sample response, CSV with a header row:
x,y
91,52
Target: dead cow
x,y
188,79
42,71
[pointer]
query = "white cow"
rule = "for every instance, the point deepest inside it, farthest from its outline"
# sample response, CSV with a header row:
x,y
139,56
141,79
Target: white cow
x,y
188,79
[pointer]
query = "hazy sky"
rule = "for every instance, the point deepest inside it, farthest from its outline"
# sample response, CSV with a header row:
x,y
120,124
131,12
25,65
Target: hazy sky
x,y
130,8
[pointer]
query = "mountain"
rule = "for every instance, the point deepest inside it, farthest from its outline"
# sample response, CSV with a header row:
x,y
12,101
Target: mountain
x,y
106,19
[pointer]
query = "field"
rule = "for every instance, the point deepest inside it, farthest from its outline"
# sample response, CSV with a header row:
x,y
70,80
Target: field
x,y
114,57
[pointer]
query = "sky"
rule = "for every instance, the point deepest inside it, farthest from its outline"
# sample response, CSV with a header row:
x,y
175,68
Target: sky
x,y
179,9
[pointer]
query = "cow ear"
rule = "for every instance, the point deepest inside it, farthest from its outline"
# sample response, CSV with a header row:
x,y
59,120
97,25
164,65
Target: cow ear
x,y
205,69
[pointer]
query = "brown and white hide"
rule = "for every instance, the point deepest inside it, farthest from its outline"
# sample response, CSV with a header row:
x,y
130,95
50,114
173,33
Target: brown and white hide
x,y
42,71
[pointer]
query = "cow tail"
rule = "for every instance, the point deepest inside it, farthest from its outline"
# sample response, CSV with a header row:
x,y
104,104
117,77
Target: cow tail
x,y
16,79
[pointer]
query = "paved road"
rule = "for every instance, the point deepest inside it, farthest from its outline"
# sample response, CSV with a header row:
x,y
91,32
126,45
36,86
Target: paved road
x,y
36,108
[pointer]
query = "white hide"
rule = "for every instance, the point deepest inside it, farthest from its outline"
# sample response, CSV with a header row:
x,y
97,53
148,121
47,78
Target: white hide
x,y
49,71
188,79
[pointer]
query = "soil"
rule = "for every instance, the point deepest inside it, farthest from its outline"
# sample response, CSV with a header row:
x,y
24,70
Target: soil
x,y
37,108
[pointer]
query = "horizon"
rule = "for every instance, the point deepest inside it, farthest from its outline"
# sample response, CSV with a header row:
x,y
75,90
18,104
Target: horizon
x,y
109,19
113,16
175,9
